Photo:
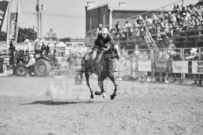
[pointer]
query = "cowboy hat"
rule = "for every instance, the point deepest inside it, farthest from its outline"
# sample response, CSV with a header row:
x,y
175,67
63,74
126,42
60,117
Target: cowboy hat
x,y
27,40
193,51
105,30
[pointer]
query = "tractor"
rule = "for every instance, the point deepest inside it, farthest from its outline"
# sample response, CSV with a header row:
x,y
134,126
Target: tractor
x,y
43,63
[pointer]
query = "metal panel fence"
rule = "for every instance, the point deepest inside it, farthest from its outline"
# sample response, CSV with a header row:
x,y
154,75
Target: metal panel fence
x,y
152,65
163,65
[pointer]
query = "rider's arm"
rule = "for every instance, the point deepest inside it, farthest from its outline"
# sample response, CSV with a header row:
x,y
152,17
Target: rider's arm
x,y
111,40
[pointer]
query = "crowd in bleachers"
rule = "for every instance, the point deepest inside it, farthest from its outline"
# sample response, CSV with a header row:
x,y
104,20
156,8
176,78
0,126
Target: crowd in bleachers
x,y
179,19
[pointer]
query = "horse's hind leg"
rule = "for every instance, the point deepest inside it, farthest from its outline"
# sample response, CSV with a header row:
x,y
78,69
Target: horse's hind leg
x,y
87,76
101,86
115,88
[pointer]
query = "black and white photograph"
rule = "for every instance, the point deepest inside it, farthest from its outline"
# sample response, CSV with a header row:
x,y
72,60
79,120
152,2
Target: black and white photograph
x,y
92,67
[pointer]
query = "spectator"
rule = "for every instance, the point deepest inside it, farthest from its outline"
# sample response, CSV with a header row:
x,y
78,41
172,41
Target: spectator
x,y
121,65
127,25
134,65
148,20
30,64
163,58
172,54
143,57
99,30
44,47
194,56
12,51
171,45
113,33
37,47
28,46
117,26
140,21
177,57
128,28
136,25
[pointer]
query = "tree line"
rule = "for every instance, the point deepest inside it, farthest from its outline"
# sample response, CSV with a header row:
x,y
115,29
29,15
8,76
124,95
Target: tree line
x,y
29,33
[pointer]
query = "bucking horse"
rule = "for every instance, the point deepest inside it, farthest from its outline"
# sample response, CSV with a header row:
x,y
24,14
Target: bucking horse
x,y
104,68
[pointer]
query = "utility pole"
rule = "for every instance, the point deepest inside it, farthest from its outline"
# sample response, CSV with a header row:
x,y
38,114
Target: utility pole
x,y
38,19
182,3
39,9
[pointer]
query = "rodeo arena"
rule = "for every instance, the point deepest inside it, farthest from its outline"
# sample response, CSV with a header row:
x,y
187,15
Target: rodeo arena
x,y
135,72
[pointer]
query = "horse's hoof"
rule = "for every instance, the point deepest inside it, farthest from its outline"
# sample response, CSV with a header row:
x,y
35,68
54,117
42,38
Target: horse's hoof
x,y
104,95
91,96
113,96
98,93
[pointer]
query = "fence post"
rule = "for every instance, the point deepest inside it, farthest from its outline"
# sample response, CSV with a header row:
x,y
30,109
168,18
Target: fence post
x,y
152,62
183,74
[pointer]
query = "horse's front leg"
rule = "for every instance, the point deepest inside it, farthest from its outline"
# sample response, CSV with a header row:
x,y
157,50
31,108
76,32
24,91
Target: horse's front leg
x,y
115,87
88,83
101,86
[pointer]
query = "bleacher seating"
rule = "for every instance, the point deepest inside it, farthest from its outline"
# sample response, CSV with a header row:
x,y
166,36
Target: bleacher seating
x,y
185,30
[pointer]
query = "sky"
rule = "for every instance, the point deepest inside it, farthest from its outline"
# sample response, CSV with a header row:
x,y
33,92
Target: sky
x,y
67,17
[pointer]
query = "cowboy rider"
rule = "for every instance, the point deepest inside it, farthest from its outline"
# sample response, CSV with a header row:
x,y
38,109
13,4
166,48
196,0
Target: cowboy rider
x,y
101,43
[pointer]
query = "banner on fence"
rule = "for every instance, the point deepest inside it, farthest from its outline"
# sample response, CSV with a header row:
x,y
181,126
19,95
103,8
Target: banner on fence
x,y
197,67
144,66
161,66
180,66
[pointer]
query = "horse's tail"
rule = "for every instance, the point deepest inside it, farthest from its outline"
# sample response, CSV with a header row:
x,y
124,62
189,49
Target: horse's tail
x,y
80,71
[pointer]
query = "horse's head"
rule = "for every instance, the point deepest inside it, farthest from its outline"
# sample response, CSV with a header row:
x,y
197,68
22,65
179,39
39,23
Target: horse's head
x,y
112,51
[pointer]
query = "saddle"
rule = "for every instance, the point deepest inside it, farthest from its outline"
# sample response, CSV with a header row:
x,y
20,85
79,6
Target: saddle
x,y
95,67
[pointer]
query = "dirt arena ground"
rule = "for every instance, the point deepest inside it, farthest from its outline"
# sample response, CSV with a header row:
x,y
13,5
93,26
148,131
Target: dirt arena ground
x,y
56,106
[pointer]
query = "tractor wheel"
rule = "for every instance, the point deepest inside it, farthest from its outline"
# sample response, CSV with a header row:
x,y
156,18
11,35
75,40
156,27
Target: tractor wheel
x,y
42,68
21,70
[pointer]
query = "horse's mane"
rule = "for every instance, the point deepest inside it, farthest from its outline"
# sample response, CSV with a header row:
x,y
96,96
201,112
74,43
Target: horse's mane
x,y
110,51
107,59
